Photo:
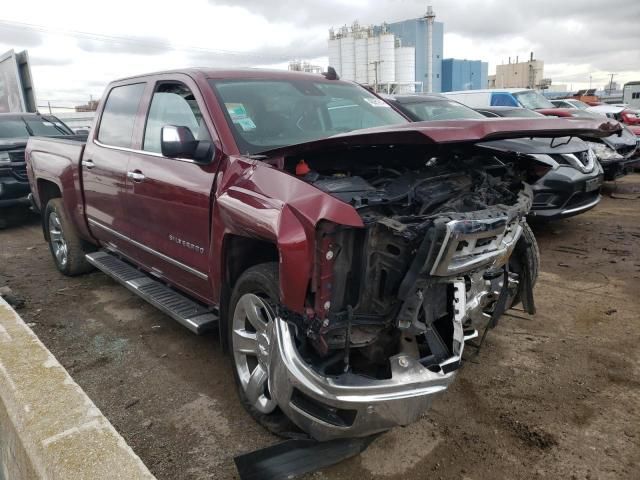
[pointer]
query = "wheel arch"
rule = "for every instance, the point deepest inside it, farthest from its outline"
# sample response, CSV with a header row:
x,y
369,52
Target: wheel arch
x,y
240,253
47,190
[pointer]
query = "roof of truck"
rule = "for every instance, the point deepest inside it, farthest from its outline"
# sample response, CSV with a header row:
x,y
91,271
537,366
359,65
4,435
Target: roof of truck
x,y
236,73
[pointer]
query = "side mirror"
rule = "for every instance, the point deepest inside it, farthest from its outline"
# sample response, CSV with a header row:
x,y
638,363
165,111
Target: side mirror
x,y
178,141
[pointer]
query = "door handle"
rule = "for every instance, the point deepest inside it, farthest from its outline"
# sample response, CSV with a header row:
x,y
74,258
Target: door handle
x,y
136,176
88,164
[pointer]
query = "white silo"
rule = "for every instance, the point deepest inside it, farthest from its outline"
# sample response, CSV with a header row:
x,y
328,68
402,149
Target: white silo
x,y
406,68
387,69
373,57
335,60
362,63
348,57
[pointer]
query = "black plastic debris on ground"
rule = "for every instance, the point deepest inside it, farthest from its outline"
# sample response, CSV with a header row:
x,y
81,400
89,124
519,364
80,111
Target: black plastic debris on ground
x,y
292,458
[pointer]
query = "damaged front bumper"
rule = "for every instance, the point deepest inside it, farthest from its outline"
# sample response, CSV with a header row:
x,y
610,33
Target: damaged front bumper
x,y
351,405
355,405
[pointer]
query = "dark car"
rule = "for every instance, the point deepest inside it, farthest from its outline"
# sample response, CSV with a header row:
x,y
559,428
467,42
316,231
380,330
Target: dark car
x,y
616,153
563,172
15,130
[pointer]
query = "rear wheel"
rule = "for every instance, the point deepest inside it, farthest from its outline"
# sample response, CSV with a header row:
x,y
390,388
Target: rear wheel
x,y
251,310
67,248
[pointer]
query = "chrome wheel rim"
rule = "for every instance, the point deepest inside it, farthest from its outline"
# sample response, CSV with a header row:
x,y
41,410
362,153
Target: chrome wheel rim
x,y
58,243
252,350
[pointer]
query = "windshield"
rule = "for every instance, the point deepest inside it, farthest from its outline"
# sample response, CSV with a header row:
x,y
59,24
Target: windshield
x,y
519,113
267,114
47,126
13,128
23,127
440,110
578,104
533,100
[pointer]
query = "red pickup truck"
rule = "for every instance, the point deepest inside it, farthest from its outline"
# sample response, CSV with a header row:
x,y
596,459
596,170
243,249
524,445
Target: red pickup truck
x,y
344,253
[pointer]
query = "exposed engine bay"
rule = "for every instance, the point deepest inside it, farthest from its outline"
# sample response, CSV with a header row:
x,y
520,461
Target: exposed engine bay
x,y
431,260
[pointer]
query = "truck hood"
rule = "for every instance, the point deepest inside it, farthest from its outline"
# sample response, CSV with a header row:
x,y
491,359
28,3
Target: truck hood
x,y
606,109
11,143
459,132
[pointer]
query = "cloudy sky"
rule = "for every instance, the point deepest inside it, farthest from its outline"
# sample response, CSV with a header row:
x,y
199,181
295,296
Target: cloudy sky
x,y
77,47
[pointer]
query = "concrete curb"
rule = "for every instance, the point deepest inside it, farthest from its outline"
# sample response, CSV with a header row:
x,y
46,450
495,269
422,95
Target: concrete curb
x,y
49,428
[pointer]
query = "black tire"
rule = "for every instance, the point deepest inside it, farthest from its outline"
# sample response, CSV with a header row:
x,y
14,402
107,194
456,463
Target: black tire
x,y
526,251
262,281
58,228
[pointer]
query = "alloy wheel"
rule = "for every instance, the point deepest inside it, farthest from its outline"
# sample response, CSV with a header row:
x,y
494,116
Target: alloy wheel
x,y
58,243
252,350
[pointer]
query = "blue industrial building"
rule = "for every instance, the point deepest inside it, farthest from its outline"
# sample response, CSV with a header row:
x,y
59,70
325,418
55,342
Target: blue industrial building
x,y
463,74
414,33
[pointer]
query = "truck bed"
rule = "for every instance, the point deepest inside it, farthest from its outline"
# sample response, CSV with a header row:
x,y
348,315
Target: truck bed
x,y
54,160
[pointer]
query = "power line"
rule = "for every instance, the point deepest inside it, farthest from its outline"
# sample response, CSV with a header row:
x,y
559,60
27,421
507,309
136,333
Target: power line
x,y
123,40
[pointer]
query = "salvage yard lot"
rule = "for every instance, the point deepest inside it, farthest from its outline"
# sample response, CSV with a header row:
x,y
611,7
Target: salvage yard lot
x,y
555,395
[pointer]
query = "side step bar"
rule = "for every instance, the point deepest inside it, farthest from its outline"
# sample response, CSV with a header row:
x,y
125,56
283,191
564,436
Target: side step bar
x,y
194,316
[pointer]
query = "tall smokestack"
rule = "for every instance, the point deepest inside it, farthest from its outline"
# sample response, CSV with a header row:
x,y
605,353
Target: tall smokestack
x,y
430,17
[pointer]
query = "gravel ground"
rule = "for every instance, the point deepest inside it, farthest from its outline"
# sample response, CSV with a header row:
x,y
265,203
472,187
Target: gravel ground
x,y
554,395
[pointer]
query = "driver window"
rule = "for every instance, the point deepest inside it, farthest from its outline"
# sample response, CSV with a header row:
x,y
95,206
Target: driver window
x,y
173,104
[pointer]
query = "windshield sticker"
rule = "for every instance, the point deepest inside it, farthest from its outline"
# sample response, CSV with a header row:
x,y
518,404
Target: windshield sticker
x,y
376,102
236,110
239,116
245,123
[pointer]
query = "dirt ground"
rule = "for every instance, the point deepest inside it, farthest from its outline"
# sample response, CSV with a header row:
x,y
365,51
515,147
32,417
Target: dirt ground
x,y
555,395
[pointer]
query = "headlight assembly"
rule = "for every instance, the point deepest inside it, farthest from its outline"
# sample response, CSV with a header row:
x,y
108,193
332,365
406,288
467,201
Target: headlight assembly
x,y
604,152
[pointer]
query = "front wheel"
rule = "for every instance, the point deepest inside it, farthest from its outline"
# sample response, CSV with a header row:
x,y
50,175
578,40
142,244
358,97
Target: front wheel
x,y
251,311
67,248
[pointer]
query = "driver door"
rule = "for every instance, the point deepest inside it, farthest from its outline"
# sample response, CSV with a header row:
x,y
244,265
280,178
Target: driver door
x,y
168,199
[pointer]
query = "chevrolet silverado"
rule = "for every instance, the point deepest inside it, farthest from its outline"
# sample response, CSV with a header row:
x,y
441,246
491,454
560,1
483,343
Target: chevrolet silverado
x,y
345,254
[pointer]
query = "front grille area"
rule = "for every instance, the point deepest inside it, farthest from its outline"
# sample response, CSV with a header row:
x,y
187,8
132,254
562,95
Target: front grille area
x,y
16,155
582,198
18,167
20,172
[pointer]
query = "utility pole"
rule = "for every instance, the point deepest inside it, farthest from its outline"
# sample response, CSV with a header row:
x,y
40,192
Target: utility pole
x,y
430,17
611,82
589,82
375,64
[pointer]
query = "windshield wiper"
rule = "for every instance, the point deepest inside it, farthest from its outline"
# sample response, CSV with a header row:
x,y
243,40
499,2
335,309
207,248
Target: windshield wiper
x,y
27,127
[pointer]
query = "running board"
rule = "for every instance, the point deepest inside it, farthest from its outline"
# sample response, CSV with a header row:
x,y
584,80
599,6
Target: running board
x,y
194,316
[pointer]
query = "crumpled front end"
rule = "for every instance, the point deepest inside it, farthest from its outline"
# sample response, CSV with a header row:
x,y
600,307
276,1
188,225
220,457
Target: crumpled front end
x,y
391,305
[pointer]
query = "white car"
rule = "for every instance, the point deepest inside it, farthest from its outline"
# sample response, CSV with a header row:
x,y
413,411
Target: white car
x,y
571,103
611,111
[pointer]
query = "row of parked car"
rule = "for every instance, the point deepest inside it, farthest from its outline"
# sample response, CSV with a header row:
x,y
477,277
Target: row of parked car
x,y
566,173
346,246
